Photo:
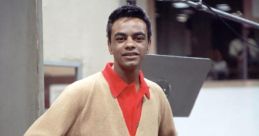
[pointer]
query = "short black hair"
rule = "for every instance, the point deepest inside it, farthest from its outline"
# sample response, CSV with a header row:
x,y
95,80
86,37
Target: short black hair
x,y
128,11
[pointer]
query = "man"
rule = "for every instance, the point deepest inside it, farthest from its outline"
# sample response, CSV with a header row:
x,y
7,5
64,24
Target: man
x,y
117,101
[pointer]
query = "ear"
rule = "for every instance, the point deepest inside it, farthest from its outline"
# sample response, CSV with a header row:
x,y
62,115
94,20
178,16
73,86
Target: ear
x,y
110,48
148,46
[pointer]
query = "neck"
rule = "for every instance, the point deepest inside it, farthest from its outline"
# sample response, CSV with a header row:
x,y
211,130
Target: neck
x,y
128,75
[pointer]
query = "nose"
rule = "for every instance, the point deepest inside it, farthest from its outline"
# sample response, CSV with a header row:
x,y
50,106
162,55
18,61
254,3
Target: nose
x,y
130,44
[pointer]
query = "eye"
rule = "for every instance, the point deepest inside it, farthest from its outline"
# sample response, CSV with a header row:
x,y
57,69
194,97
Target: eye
x,y
120,38
139,38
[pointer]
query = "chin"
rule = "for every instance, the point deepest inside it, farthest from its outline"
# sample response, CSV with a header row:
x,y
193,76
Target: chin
x,y
131,66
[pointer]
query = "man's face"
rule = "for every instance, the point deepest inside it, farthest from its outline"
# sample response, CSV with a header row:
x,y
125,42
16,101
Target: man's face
x,y
129,42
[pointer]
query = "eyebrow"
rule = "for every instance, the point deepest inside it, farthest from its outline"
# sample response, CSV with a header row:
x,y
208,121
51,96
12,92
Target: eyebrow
x,y
120,34
139,33
134,34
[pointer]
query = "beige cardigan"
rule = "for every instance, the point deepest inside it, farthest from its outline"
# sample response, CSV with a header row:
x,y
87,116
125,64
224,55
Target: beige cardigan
x,y
87,108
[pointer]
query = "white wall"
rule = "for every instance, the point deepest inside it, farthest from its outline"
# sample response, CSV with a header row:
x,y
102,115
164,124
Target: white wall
x,y
223,111
76,31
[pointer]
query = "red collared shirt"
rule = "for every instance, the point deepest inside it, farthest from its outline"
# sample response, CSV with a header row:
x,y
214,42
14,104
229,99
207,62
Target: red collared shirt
x,y
130,100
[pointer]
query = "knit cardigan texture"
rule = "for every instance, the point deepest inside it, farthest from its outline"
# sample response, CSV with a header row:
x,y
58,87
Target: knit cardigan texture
x,y
87,108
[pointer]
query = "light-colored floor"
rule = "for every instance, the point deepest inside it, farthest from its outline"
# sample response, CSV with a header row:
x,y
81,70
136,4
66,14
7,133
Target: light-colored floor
x,y
225,108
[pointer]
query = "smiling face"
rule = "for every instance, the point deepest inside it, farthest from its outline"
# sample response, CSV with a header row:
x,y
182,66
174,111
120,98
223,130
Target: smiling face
x,y
129,43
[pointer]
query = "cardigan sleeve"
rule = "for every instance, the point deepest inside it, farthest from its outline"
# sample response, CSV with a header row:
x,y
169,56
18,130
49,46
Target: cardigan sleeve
x,y
166,127
60,116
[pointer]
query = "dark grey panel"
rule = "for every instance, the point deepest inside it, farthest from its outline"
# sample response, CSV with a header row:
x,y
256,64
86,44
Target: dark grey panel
x,y
180,77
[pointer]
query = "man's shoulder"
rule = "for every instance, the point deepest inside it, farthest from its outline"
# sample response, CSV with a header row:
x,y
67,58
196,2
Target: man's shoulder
x,y
153,85
92,77
87,81
89,78
156,91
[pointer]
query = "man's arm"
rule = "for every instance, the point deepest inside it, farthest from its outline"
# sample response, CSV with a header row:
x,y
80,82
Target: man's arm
x,y
58,118
167,127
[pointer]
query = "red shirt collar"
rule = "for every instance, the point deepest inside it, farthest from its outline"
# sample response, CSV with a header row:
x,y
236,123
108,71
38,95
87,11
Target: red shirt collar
x,y
117,85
